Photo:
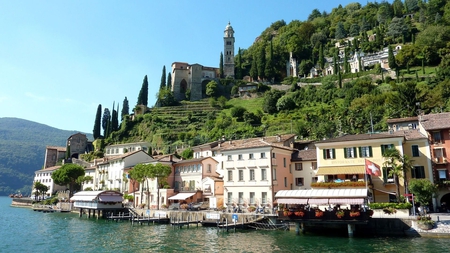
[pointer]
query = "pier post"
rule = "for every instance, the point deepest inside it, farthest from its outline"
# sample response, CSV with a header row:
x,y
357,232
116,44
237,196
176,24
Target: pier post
x,y
351,229
303,228
81,212
226,223
89,213
297,228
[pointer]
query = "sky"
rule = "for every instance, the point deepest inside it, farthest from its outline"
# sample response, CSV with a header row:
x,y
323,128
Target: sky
x,y
60,59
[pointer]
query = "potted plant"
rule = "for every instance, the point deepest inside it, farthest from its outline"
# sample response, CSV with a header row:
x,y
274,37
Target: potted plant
x,y
354,214
389,210
425,222
370,213
340,213
319,213
285,212
299,213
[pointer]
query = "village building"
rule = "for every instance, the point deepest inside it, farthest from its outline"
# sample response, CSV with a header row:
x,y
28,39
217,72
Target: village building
x,y
44,176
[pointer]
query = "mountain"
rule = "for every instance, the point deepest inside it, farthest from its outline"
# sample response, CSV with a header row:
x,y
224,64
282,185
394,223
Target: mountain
x,y
22,151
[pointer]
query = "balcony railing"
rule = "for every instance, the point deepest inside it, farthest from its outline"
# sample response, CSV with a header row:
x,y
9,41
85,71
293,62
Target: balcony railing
x,y
346,184
440,160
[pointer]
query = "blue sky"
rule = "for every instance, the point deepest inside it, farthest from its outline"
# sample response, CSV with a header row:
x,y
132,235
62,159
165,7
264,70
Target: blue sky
x,y
60,59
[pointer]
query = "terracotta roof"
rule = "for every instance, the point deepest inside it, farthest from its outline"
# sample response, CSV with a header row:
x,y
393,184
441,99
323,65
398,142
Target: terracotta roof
x,y
166,158
398,120
436,121
410,134
275,141
50,168
304,155
110,158
359,137
194,160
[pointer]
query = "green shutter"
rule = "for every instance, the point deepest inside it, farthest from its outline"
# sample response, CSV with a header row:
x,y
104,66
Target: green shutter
x,y
382,150
324,154
355,154
334,153
360,151
345,152
370,151
385,175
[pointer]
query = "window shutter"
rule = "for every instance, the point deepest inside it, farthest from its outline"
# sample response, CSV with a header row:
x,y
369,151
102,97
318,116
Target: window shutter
x,y
360,151
413,172
385,174
355,154
324,154
370,151
345,152
382,150
333,152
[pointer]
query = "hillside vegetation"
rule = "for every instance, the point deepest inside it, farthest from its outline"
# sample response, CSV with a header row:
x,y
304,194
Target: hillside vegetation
x,y
417,80
22,151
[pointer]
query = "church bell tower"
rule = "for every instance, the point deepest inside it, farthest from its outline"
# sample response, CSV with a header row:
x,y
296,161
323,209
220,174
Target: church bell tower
x,y
228,51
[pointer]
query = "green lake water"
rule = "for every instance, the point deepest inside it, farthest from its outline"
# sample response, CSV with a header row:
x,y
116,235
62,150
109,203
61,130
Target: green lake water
x,y
23,230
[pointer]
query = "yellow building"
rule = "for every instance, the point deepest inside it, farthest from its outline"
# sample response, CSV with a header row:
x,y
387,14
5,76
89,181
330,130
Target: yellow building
x,y
341,162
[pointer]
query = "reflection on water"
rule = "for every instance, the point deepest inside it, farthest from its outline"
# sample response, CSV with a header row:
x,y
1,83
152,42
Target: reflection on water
x,y
28,231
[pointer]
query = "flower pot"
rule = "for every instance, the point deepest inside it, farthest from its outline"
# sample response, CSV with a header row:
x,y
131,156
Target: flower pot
x,y
425,226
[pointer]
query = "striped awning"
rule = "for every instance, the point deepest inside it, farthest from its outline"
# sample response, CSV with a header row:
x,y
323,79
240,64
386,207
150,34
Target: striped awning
x,y
341,170
318,201
355,201
182,196
292,201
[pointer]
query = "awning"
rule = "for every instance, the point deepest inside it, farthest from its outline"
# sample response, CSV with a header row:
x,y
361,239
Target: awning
x,y
355,201
181,196
318,201
340,170
292,201
110,198
82,198
323,193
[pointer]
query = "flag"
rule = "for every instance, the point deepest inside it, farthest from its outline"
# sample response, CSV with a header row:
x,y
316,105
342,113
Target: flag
x,y
372,168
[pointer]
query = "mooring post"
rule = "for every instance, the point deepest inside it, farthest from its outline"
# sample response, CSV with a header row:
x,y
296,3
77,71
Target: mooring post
x,y
351,229
297,228
81,212
226,223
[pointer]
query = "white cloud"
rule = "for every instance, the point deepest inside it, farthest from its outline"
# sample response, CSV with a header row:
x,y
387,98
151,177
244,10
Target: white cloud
x,y
35,97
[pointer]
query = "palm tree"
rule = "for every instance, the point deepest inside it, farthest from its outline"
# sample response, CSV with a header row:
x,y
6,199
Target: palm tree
x,y
399,165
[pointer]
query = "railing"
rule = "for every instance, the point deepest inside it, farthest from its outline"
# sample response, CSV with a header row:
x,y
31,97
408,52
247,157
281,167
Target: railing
x,y
440,160
337,185
313,215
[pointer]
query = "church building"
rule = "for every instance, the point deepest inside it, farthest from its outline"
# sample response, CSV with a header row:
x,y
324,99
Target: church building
x,y
194,77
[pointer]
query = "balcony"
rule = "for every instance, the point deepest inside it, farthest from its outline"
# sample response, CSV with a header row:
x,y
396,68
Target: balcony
x,y
325,216
346,184
440,160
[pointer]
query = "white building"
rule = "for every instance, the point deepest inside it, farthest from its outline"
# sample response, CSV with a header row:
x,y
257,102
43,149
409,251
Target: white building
x,y
44,176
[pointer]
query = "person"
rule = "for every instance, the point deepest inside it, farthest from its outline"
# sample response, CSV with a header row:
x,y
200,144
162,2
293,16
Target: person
x,y
354,179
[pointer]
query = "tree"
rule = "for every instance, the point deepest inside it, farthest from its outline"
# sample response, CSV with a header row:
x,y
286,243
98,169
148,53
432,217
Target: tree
x,y
143,93
139,174
114,119
187,153
239,65
423,190
163,78
391,58
125,108
211,88
169,81
166,98
84,179
397,28
396,165
269,68
105,120
261,64
304,67
270,100
221,65
68,175
340,31
411,5
41,189
97,123
160,173
254,70
354,30
321,57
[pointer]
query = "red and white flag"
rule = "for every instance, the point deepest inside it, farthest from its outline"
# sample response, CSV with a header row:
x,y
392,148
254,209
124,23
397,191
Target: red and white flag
x,y
372,168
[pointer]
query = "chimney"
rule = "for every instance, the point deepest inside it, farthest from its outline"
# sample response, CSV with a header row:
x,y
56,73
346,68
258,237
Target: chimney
x,y
171,158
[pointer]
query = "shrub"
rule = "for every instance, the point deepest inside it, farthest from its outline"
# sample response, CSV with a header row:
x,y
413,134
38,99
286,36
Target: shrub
x,y
390,205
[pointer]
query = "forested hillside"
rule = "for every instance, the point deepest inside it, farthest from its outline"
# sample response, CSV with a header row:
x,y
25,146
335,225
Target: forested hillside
x,y
416,81
22,150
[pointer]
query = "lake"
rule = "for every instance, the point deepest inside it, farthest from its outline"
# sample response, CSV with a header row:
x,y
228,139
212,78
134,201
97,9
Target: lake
x,y
23,230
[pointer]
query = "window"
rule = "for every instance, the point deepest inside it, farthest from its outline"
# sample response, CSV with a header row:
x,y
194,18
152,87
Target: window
x,y
252,175
418,172
285,181
230,198
250,156
313,165
331,178
241,175
252,198
314,179
438,152
437,137
284,162
239,157
209,168
264,197
273,155
385,147
263,174
442,175
299,181
274,174
350,152
298,166
241,198
263,155
229,158
415,150
230,175
328,153
214,153
387,177
365,151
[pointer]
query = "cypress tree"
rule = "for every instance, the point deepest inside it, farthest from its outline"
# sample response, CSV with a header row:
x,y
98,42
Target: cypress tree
x,y
125,108
143,93
115,119
340,79
321,57
97,125
254,70
221,65
169,81
268,71
163,78
346,66
261,64
391,58
105,120
239,65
